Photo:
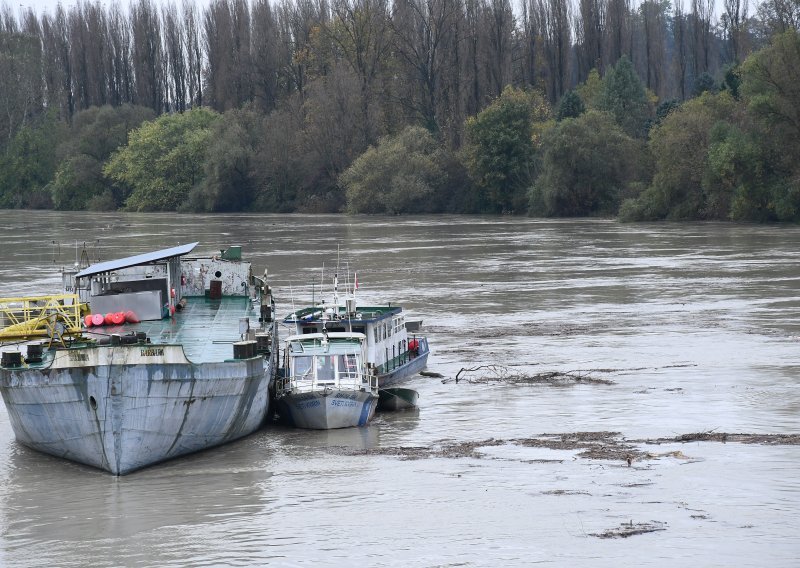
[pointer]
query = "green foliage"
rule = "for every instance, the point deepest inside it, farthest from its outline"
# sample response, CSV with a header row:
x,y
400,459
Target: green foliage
x,y
680,146
230,181
403,174
665,108
623,95
95,134
163,160
29,163
704,83
770,80
588,163
280,163
500,149
589,90
79,178
571,106
732,80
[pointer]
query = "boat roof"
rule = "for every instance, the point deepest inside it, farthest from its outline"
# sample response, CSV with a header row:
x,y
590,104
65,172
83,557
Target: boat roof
x,y
331,335
368,313
137,260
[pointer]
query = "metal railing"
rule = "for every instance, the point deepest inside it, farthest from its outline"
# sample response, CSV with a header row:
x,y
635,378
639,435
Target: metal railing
x,y
40,316
346,381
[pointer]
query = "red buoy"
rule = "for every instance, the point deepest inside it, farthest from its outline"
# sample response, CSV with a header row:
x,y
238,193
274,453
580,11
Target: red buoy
x,y
130,317
87,320
98,319
413,345
118,318
108,319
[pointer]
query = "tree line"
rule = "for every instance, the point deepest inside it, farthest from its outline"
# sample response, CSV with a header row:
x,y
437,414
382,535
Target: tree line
x,y
388,107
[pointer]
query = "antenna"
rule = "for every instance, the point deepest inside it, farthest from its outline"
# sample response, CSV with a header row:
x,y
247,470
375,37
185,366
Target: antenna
x,y
291,294
336,282
322,280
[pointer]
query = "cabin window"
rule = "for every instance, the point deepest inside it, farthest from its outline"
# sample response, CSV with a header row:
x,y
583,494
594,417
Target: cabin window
x,y
333,329
377,337
326,368
359,329
348,366
310,329
301,367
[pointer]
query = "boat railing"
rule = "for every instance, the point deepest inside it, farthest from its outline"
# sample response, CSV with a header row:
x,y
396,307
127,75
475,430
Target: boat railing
x,y
345,380
40,316
404,357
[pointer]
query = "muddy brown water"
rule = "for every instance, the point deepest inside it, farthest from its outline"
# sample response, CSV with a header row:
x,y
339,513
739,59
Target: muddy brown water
x,y
691,330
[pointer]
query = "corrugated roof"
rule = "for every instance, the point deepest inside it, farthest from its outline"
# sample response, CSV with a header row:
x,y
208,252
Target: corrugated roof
x,y
137,260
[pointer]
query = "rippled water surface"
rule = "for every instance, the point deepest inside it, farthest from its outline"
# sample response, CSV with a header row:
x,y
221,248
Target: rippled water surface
x,y
696,326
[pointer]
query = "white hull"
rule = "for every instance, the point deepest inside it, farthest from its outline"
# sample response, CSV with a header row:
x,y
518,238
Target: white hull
x,y
327,409
121,408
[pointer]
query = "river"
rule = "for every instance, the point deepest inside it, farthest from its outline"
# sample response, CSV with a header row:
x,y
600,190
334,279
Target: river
x,y
569,326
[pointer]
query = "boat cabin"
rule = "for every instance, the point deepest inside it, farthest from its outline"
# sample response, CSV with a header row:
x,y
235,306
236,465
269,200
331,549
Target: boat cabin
x,y
387,341
151,285
319,360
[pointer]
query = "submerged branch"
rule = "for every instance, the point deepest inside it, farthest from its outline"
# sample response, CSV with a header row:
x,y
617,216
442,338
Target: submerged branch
x,y
501,374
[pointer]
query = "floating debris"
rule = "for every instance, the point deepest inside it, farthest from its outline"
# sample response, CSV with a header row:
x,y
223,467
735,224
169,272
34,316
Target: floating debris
x,y
500,374
431,374
626,530
724,437
609,446
565,492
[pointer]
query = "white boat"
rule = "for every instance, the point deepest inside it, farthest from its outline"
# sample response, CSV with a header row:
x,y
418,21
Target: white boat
x,y
395,351
185,372
327,383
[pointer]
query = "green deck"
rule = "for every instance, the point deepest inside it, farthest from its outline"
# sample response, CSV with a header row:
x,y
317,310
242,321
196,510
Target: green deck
x,y
206,328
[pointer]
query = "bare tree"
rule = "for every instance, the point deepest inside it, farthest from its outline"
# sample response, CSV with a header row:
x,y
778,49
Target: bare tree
x,y
498,27
147,60
421,29
21,69
653,19
701,35
176,71
264,56
617,30
360,31
734,21
121,73
194,54
679,57
591,25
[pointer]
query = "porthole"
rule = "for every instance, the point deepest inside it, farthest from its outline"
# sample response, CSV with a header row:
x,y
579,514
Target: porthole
x,y
218,274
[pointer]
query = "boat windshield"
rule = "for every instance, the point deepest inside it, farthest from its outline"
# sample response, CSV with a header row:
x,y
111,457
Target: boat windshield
x,y
328,367
301,367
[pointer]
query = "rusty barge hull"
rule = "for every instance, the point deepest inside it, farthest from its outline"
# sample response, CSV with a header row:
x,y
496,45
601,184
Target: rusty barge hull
x,y
121,408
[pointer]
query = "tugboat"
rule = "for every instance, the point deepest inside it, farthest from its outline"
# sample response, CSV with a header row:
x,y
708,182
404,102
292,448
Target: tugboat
x,y
327,382
153,357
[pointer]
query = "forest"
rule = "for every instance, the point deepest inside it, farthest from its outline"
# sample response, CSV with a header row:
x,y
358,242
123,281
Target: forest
x,y
559,108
